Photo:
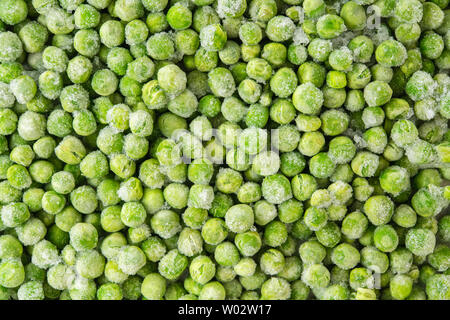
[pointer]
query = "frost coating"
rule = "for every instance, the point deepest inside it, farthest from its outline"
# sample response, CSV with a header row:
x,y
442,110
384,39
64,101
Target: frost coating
x,y
231,8
276,189
266,163
45,254
31,290
6,96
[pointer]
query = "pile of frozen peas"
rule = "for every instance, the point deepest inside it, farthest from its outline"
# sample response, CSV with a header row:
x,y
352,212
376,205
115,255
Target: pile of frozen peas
x,y
224,149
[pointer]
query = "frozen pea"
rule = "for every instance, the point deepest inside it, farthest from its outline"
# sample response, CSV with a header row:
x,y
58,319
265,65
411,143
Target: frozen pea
x,y
377,93
200,196
12,273
239,218
11,47
420,86
283,83
280,29
308,99
131,259
172,265
129,10
214,231
390,53
24,88
330,26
